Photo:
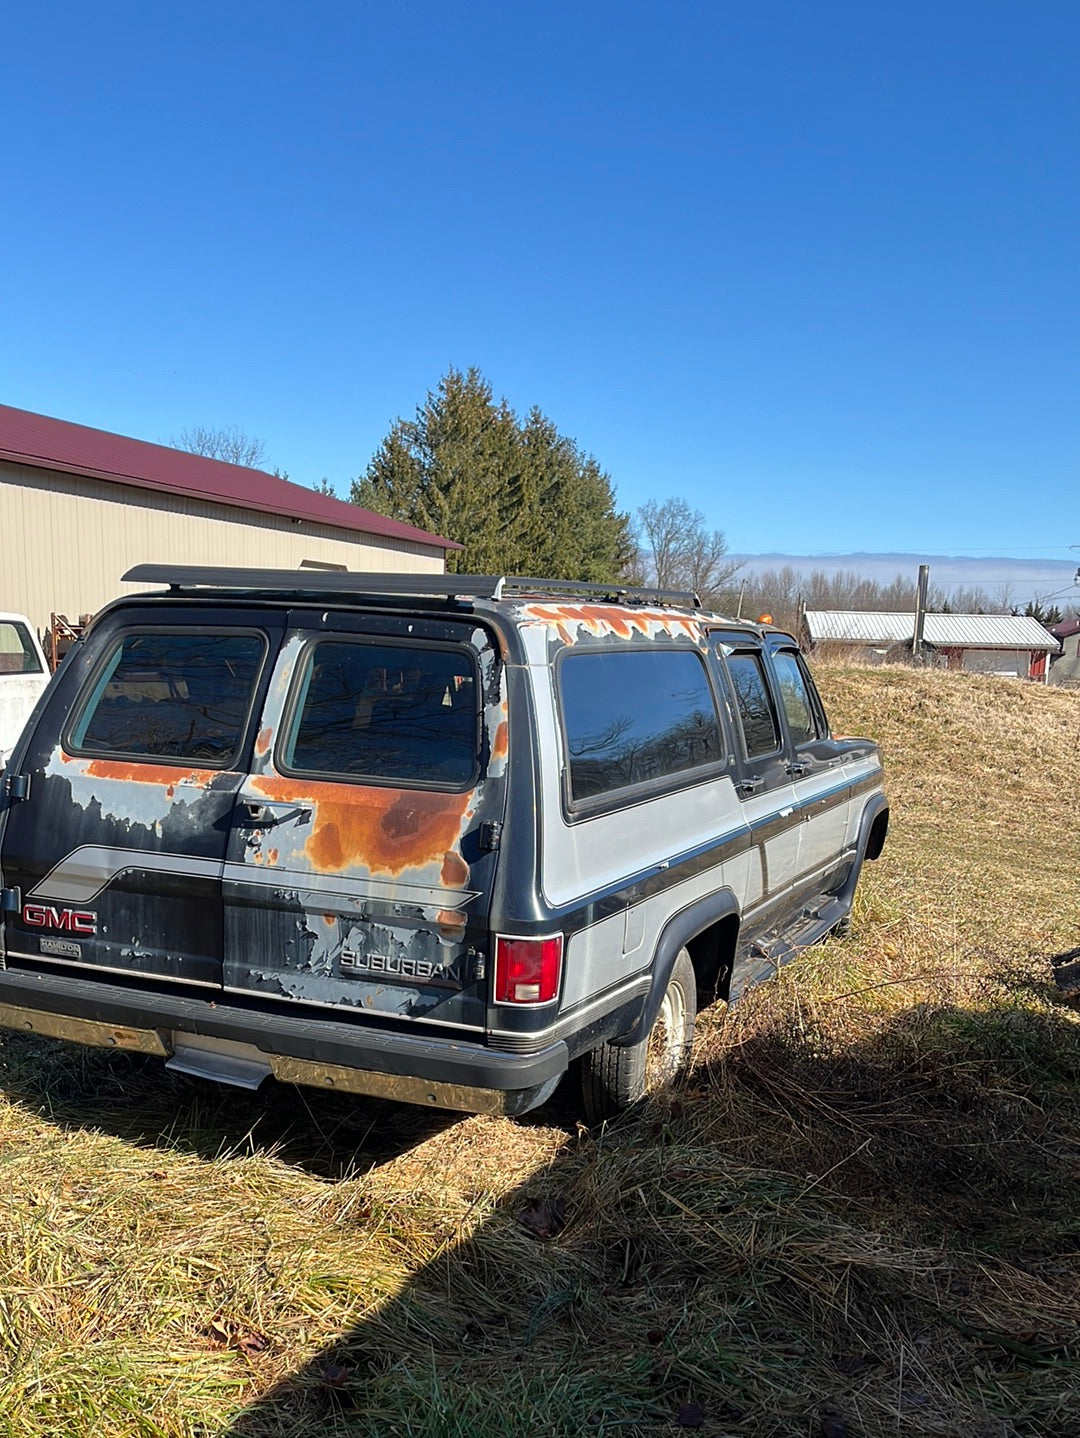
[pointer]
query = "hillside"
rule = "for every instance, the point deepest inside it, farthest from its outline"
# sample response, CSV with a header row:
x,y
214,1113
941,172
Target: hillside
x,y
858,1218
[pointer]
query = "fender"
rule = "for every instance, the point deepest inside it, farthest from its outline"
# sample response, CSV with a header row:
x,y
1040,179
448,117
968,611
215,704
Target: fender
x,y
875,805
676,934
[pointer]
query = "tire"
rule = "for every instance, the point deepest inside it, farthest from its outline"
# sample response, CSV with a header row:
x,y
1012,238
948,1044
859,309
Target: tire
x,y
613,1079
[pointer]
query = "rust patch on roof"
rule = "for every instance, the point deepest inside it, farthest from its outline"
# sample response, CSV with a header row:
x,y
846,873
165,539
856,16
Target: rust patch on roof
x,y
602,619
385,831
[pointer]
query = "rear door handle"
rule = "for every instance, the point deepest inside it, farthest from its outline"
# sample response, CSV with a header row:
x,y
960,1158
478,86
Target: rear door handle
x,y
753,785
799,769
262,816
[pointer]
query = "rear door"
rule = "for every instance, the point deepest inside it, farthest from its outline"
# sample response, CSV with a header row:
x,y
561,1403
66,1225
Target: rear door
x,y
817,768
133,772
360,868
764,782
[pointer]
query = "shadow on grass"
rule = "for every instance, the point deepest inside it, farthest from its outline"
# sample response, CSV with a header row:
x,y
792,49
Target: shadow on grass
x,y
330,1136
874,1240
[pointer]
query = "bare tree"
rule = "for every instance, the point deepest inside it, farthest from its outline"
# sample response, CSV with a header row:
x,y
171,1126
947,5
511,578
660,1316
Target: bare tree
x,y
229,443
678,552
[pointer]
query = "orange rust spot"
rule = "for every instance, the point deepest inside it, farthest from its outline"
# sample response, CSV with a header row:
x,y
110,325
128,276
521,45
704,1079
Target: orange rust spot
x,y
272,856
498,748
455,871
329,919
258,857
170,791
262,743
450,922
602,619
148,772
383,830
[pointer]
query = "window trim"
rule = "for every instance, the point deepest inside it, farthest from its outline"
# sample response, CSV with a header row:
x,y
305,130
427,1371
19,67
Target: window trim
x,y
298,682
86,692
817,707
741,644
629,795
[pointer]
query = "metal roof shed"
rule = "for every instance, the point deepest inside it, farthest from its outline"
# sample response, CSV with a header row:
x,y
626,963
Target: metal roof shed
x,y
989,643
79,506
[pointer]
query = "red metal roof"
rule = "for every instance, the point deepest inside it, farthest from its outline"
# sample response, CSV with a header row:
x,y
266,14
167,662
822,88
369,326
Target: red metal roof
x,y
44,443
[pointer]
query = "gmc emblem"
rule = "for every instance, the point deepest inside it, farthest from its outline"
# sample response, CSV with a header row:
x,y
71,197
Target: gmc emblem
x,y
70,921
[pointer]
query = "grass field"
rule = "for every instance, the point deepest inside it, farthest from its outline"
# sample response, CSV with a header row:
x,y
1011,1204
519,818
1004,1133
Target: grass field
x,y
858,1218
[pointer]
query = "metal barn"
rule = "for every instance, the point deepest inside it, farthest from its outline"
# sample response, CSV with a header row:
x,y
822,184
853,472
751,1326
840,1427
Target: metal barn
x,y
79,506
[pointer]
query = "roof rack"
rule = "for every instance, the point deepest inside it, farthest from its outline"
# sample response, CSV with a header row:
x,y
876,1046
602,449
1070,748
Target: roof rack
x,y
352,582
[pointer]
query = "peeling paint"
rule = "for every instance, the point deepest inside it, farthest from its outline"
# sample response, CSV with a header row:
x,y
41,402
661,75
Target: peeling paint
x,y
603,621
383,831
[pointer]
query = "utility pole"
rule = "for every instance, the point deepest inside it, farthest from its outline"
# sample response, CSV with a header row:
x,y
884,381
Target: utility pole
x,y
920,610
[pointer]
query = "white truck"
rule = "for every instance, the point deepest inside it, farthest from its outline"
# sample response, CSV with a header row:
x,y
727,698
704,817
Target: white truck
x,y
23,676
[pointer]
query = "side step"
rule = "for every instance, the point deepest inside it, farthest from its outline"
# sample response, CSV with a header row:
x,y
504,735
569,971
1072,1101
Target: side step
x,y
224,1060
771,952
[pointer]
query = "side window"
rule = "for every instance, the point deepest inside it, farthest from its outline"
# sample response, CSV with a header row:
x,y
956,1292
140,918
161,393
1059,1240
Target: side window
x,y
637,715
795,697
390,713
170,695
17,652
761,731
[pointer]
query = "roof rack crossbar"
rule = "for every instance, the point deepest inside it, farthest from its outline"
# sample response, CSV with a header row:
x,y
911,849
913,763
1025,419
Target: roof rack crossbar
x,y
353,582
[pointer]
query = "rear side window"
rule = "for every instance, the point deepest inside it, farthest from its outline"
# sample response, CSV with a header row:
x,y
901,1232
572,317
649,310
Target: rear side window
x,y
761,732
394,714
17,652
633,716
171,695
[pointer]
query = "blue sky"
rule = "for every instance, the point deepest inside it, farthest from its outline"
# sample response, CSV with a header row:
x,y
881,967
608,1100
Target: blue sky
x,y
811,266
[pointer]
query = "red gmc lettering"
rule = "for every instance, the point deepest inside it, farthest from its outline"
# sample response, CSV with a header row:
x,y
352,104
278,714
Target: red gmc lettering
x,y
71,921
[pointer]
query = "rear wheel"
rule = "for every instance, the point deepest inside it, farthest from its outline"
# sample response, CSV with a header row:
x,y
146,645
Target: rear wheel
x,y
614,1078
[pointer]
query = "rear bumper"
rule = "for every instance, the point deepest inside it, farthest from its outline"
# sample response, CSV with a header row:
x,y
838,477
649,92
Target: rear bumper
x,y
325,1053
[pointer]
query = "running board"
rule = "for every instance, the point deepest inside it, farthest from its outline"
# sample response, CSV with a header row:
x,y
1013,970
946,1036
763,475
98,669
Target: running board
x,y
223,1060
768,955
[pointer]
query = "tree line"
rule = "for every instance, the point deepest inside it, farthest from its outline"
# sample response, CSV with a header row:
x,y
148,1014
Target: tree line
x,y
522,498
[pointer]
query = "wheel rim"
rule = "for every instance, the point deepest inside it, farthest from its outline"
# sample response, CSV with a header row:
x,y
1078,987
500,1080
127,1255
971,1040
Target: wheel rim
x,y
664,1053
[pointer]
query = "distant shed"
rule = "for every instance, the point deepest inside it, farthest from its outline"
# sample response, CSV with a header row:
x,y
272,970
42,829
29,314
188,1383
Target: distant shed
x,y
1007,644
79,506
1065,667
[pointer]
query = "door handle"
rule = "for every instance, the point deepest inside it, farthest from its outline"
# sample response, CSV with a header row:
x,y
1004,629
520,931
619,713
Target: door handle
x,y
753,785
263,816
799,769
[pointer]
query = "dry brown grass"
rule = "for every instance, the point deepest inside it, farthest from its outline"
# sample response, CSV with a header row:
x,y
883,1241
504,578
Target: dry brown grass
x,y
859,1215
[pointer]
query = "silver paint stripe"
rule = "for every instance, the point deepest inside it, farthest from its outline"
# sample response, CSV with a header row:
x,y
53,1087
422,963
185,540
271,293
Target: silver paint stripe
x,y
570,1021
87,871
351,1009
111,969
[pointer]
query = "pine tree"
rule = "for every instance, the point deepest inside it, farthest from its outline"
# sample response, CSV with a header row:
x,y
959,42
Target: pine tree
x,y
520,497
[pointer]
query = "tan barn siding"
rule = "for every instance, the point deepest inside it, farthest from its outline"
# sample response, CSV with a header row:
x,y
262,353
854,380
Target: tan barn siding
x,y
67,540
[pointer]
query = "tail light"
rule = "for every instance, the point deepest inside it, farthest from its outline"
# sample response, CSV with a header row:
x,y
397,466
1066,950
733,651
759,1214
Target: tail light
x,y
527,971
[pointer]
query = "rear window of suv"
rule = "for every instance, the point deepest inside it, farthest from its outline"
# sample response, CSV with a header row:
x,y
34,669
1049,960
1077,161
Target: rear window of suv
x,y
170,694
404,714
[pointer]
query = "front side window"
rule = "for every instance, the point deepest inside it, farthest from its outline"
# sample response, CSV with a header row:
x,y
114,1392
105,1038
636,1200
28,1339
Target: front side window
x,y
171,695
795,697
635,716
761,732
391,713
17,652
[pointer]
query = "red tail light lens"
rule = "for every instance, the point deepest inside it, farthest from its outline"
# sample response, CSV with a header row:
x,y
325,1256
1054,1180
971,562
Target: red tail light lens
x,y
527,971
